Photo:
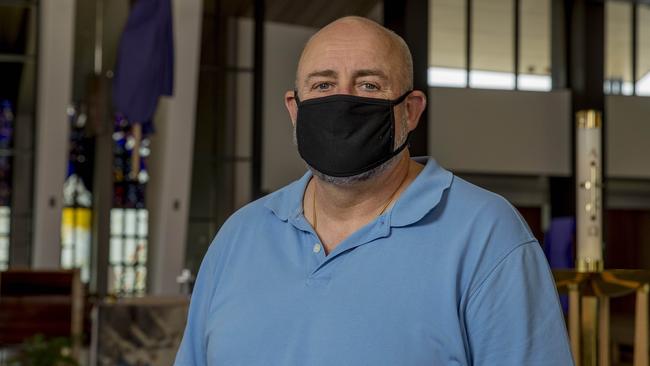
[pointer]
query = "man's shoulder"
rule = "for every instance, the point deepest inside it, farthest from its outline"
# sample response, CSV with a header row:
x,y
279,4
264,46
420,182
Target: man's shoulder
x,y
469,195
489,214
490,229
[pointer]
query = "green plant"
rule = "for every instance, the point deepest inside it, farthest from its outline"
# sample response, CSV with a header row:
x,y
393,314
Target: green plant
x,y
39,351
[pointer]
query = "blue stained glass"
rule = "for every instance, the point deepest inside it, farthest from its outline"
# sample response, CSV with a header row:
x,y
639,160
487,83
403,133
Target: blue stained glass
x,y
6,144
6,124
80,142
129,187
78,189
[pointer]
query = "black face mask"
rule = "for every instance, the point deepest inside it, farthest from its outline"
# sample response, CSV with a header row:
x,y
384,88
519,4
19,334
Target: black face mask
x,y
345,135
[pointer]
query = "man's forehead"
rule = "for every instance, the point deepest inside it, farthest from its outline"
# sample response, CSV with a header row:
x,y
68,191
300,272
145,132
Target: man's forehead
x,y
340,39
335,57
352,44
355,73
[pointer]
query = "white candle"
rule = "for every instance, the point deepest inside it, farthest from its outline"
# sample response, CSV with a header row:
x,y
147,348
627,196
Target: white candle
x,y
589,209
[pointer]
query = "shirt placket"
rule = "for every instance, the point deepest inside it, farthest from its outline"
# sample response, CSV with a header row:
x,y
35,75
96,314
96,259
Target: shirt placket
x,y
322,267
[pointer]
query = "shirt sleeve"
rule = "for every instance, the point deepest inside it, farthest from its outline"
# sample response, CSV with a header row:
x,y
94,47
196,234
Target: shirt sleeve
x,y
514,316
192,351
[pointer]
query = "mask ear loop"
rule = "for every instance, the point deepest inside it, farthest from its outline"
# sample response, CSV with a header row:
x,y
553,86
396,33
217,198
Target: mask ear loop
x,y
401,98
295,96
407,142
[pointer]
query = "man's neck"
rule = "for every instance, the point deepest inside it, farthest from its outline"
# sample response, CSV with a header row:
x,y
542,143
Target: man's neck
x,y
343,209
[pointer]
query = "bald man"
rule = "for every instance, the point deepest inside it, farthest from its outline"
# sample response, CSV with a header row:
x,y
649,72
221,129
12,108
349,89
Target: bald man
x,y
372,257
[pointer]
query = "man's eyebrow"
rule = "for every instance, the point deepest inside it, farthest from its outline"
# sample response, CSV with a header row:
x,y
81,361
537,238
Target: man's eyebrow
x,y
321,73
370,72
357,74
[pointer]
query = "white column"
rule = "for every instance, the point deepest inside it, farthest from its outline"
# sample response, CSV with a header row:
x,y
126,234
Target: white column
x,y
171,156
55,67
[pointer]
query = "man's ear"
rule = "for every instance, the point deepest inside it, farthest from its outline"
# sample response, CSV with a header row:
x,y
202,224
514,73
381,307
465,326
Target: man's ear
x,y
415,104
292,107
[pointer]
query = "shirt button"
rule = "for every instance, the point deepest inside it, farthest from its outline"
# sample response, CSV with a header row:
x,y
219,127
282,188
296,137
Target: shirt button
x,y
317,247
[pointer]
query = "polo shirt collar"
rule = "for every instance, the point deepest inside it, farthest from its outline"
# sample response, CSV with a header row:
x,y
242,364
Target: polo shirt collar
x,y
420,198
286,203
422,195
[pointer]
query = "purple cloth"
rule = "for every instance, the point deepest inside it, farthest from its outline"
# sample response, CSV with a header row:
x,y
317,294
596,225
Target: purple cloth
x,y
559,244
145,61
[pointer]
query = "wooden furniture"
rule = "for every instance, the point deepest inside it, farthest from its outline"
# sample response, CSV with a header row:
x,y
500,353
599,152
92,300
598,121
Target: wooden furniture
x,y
50,303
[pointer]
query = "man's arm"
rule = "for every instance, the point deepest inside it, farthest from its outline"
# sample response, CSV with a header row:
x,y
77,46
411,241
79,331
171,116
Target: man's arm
x,y
514,316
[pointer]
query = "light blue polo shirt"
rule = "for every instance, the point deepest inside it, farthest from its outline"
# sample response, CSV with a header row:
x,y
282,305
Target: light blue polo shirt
x,y
451,275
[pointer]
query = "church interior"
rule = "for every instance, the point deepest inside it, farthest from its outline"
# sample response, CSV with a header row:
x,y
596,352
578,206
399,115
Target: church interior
x,y
104,218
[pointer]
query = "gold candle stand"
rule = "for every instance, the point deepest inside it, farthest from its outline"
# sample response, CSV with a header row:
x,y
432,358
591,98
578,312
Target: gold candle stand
x,y
588,320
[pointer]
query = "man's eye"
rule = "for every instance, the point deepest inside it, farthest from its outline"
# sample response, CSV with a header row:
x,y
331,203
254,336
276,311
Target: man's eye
x,y
322,86
369,86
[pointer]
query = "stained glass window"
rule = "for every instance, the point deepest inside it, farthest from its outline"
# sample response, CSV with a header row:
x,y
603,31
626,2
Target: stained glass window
x,y
6,137
128,254
129,217
18,65
76,223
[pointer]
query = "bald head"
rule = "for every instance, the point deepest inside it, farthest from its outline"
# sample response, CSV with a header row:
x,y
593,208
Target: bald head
x,y
355,44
